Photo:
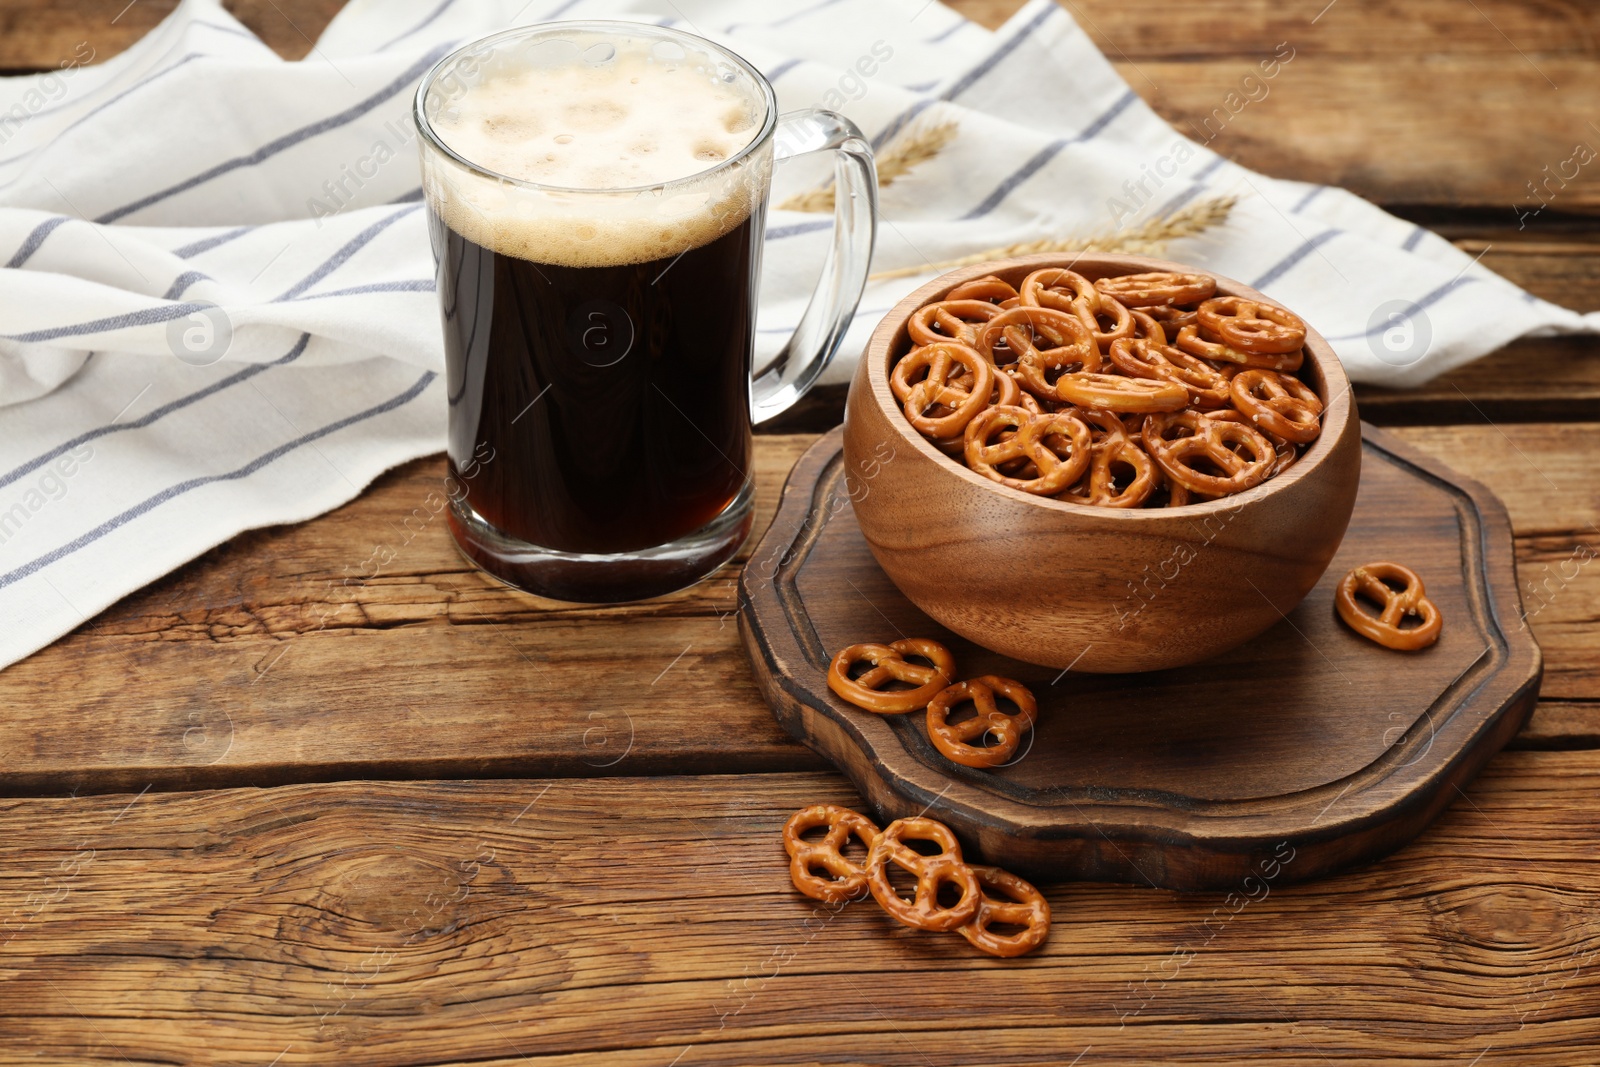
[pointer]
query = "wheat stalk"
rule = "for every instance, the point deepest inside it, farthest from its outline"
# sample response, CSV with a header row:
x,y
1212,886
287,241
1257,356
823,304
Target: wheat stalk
x,y
1149,239
907,152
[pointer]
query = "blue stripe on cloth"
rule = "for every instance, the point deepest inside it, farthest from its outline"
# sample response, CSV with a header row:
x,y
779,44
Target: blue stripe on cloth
x,y
206,244
88,94
904,119
1194,190
1017,177
411,285
1305,201
1196,187
288,140
86,116
1287,263
339,258
969,79
977,73
781,69
780,232
181,283
149,504
31,243
1046,154
1414,238
1426,301
142,317
156,415
152,315
944,35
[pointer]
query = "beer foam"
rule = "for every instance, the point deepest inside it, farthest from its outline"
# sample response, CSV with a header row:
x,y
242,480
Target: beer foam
x,y
633,121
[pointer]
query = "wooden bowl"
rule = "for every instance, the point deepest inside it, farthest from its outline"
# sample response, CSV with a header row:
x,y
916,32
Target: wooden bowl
x,y
1094,589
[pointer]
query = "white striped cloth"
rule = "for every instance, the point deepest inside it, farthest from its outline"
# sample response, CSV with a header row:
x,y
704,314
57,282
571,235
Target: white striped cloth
x,y
217,307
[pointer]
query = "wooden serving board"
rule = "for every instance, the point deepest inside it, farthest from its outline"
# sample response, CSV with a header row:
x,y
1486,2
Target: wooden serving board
x,y
1308,750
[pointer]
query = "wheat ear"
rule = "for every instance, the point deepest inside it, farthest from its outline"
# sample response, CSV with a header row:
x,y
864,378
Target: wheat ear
x,y
1149,239
907,152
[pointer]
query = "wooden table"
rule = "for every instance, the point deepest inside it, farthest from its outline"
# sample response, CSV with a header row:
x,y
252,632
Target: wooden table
x,y
292,805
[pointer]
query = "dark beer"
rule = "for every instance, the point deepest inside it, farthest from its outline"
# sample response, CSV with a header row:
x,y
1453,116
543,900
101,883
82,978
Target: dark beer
x,y
596,204
598,410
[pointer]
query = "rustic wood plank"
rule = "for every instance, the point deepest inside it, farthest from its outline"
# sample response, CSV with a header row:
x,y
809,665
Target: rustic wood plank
x,y
1543,473
1170,28
1534,380
1336,121
1427,102
447,923
363,645
1563,271
39,34
1561,724
282,657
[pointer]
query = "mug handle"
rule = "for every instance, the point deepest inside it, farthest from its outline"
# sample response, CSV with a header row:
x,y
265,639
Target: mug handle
x,y
821,330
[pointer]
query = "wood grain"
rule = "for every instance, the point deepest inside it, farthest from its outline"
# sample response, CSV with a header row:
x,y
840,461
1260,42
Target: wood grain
x,y
450,923
281,657
1377,95
362,645
1534,380
39,34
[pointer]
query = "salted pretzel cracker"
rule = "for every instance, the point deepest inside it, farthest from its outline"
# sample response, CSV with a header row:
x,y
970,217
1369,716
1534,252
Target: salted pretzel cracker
x,y
1114,448
846,880
921,382
1191,340
1207,387
889,664
1009,900
988,288
1061,289
1178,442
1002,435
1114,392
1106,318
1279,404
1172,319
1147,328
1037,340
950,320
1252,326
1372,581
924,910
954,739
1155,289
1287,450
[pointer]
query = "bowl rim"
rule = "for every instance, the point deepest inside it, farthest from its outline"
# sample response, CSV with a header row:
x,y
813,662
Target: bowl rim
x,y
1337,398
